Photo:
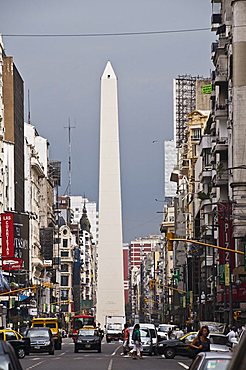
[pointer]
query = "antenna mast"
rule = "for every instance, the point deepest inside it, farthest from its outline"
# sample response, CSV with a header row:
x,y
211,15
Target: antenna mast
x,y
69,188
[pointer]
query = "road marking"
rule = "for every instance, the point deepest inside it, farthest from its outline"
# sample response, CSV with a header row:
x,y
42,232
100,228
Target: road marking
x,y
63,353
185,366
31,367
110,364
114,353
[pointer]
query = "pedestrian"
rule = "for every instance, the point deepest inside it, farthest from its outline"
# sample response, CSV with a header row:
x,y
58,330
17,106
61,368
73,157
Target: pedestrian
x,y
126,337
200,343
232,334
136,337
178,333
169,333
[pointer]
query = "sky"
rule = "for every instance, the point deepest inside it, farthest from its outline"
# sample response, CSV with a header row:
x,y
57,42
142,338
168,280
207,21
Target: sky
x,y
63,77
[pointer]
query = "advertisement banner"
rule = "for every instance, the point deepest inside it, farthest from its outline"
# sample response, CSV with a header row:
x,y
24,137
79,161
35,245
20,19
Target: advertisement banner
x,y
7,224
15,241
226,234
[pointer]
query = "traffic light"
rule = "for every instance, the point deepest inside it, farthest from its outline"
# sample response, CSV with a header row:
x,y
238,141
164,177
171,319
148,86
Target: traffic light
x,y
236,315
170,235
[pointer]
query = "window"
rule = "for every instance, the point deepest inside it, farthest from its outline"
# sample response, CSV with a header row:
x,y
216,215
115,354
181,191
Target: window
x,y
64,268
65,243
64,294
64,280
196,133
10,335
64,254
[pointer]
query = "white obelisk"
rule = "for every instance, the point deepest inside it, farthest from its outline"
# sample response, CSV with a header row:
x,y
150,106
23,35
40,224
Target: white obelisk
x,y
110,286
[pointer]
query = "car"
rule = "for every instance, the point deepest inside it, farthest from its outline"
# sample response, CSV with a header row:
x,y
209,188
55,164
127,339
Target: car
x,y
238,361
163,329
51,323
20,345
41,340
211,360
219,342
171,348
146,340
153,333
8,357
87,339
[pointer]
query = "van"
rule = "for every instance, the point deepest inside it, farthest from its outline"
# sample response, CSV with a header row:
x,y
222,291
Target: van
x,y
153,333
52,324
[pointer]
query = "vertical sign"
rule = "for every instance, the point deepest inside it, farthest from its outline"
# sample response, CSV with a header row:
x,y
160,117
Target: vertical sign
x,y
7,223
227,274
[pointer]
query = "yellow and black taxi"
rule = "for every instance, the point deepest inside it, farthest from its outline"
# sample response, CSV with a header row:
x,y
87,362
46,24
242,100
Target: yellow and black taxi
x,y
20,344
171,348
88,338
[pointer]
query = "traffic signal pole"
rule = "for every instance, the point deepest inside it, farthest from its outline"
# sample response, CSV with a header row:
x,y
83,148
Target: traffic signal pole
x,y
205,245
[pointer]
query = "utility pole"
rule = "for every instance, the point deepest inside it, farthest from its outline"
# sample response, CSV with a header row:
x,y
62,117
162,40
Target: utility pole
x,y
69,187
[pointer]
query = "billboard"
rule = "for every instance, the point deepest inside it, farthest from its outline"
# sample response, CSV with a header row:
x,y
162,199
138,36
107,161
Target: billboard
x,y
15,241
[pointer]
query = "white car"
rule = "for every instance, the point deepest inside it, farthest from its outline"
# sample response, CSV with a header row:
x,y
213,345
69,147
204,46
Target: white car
x,y
219,343
163,329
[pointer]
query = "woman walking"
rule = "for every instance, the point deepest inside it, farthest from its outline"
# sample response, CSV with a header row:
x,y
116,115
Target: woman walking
x,y
201,343
136,337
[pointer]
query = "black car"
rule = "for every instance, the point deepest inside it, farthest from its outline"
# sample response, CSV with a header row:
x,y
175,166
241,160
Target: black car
x,y
41,340
171,348
20,345
87,339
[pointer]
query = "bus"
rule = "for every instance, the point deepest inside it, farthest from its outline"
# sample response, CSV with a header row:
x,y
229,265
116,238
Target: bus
x,y
78,321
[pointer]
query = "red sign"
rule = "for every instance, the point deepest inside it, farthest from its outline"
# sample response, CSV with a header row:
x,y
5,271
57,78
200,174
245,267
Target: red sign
x,y
10,264
7,223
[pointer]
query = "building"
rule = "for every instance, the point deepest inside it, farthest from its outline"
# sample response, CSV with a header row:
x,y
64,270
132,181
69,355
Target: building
x,y
170,161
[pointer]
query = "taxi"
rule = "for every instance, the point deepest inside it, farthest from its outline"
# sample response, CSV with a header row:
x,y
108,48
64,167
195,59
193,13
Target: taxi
x,y
20,344
88,338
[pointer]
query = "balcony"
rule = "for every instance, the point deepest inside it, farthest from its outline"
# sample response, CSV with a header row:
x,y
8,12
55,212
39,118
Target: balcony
x,y
221,145
206,174
221,179
216,20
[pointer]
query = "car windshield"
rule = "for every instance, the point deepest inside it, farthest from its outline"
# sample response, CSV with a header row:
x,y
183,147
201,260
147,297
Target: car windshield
x,y
216,364
218,339
50,325
87,333
144,333
37,333
163,328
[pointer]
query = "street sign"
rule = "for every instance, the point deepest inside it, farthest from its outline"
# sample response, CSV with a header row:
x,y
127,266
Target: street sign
x,y
11,263
227,274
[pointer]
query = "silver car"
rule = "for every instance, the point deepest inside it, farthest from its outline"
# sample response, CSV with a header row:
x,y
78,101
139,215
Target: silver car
x,y
211,360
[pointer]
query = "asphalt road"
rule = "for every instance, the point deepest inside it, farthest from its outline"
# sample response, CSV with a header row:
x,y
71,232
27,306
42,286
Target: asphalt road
x,y
109,359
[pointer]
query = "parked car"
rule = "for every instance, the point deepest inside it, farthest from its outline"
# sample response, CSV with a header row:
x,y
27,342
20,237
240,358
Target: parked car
x,y
20,345
146,340
8,358
163,329
87,339
211,360
41,340
171,348
238,361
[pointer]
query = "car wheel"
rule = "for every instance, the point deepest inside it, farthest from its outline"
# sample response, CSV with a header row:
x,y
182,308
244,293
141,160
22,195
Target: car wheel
x,y
76,350
51,352
21,353
99,350
169,352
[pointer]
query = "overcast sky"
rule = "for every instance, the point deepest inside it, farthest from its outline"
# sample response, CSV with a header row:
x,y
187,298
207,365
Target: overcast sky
x,y
63,76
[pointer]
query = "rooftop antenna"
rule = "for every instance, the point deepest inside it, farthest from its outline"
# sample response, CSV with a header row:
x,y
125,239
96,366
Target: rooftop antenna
x,y
69,187
28,107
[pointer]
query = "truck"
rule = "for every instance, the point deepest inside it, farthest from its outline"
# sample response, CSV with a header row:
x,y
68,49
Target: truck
x,y
114,326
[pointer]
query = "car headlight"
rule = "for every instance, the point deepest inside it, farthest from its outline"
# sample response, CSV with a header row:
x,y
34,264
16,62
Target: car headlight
x,y
79,341
161,345
148,342
47,343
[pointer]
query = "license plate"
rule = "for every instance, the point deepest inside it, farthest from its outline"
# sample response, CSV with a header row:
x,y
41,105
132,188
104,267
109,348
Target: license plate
x,y
37,347
87,346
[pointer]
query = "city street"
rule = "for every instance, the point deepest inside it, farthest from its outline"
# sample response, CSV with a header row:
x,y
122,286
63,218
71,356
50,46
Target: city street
x,y
109,359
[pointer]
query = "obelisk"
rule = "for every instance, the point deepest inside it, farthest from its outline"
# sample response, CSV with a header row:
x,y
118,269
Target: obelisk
x,y
110,286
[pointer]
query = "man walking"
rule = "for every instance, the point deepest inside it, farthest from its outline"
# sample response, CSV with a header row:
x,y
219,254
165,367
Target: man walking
x,y
125,339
